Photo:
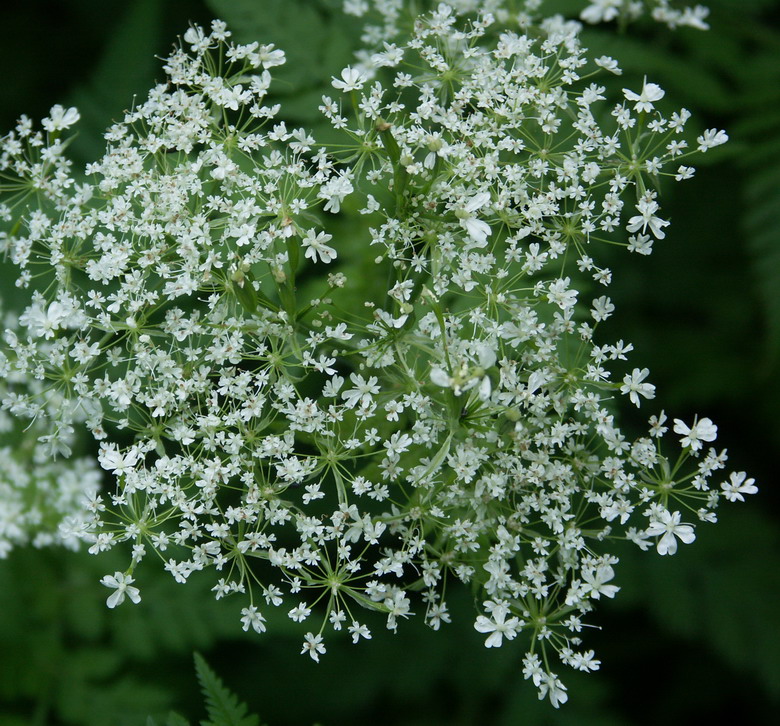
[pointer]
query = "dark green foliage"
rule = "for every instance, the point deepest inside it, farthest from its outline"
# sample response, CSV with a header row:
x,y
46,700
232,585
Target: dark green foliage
x,y
318,41
174,719
224,708
124,70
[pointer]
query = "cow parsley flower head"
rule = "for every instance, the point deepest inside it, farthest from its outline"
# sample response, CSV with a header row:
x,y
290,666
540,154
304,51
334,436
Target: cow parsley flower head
x,y
324,443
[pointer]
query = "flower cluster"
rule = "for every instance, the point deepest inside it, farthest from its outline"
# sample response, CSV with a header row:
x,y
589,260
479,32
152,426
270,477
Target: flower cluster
x,y
603,11
389,16
326,445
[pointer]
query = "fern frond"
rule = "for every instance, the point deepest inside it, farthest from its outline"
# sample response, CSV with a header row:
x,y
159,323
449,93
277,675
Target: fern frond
x,y
761,215
174,719
224,708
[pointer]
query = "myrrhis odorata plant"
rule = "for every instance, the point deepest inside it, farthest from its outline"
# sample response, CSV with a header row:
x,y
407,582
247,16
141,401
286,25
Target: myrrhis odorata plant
x,y
207,370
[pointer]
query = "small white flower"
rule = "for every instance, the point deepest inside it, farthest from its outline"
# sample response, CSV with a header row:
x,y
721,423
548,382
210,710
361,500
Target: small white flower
x,y
313,645
737,486
315,246
334,192
561,294
596,582
358,630
122,583
651,92
711,138
647,207
601,11
609,64
111,459
252,618
633,385
552,687
477,229
352,79
692,436
499,627
44,322
668,526
60,118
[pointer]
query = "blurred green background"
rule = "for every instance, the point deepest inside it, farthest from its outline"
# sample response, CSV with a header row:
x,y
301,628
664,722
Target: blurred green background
x,y
689,638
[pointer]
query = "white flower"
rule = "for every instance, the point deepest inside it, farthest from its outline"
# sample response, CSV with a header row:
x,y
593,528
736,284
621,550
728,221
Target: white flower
x,y
251,617
60,118
692,436
633,386
596,579
651,92
609,64
551,686
711,138
43,323
363,392
122,583
477,229
352,79
561,294
313,646
668,526
315,245
647,207
334,192
499,627
269,56
737,486
601,11
111,459
358,630
602,309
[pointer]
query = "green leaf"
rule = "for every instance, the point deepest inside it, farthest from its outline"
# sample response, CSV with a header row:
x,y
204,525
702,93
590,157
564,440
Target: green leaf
x,y
174,719
127,67
318,41
718,592
297,28
760,220
223,707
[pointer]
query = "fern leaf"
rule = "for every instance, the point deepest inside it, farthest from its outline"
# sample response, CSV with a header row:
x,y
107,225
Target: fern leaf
x,y
174,719
224,708
761,220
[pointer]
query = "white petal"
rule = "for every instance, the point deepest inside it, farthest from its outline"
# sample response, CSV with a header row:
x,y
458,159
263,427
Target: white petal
x,y
483,625
477,230
686,533
667,545
494,641
115,598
